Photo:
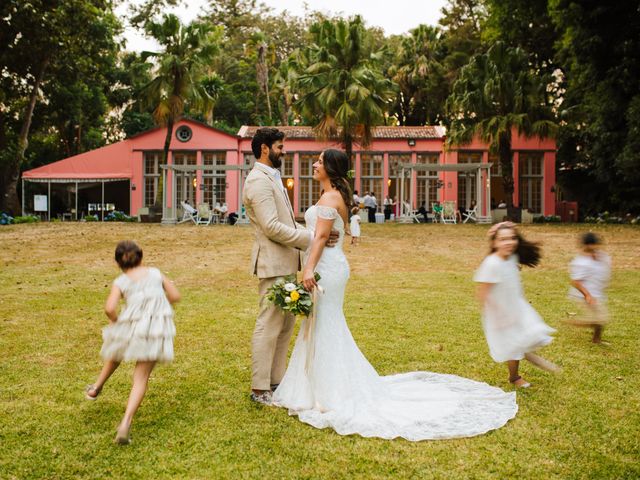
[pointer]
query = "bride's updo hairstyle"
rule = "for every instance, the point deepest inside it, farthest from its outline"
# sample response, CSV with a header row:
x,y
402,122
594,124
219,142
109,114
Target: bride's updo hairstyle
x,y
336,164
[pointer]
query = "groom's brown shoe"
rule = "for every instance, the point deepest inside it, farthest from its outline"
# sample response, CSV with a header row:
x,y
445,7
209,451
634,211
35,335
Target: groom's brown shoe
x,y
264,398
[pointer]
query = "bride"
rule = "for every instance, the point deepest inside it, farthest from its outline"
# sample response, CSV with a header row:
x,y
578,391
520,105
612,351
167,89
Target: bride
x,y
329,382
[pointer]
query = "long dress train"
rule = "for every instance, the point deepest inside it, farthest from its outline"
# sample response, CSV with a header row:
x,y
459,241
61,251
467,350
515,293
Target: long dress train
x,y
340,389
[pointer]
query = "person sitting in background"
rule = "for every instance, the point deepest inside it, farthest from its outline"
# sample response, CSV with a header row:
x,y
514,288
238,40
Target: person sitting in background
x,y
424,212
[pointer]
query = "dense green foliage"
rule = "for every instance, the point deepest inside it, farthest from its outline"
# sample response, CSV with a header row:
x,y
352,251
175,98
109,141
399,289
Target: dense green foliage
x,y
78,88
495,95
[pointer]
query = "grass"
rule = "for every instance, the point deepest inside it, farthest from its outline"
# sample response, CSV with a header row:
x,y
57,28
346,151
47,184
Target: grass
x,y
410,307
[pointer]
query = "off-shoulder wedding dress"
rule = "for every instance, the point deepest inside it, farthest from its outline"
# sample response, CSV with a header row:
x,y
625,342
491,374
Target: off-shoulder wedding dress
x,y
329,382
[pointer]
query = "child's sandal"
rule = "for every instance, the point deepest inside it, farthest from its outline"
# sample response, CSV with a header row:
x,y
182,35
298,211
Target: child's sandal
x,y
91,389
515,381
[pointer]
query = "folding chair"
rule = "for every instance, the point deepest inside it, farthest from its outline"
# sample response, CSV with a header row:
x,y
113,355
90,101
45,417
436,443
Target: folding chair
x,y
188,213
471,215
205,215
449,212
410,212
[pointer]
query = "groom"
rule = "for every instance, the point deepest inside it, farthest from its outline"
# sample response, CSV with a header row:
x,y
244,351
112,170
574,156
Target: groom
x,y
277,250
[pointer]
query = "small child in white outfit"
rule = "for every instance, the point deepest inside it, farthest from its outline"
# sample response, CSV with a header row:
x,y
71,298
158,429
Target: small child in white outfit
x,y
143,331
590,272
513,329
355,226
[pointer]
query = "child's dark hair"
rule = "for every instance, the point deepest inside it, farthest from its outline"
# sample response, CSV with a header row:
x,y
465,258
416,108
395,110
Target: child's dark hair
x,y
590,238
265,136
336,164
128,254
528,252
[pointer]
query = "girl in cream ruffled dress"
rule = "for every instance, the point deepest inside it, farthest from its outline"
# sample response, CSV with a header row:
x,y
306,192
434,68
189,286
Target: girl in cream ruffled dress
x,y
143,331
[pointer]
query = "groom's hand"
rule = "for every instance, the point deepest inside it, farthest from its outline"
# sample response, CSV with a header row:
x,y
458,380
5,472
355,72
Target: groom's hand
x,y
333,238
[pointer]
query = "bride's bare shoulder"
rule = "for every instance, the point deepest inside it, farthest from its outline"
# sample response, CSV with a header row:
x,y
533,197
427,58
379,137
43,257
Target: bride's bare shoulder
x,y
331,199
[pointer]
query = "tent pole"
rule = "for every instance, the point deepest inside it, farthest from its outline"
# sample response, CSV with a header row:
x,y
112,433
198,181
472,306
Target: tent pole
x,y
49,200
240,194
488,205
174,196
402,212
76,201
164,196
411,205
479,190
102,206
23,184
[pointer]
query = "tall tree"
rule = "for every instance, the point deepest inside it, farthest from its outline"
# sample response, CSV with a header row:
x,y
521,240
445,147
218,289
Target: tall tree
x,y
342,92
526,24
181,68
496,94
421,77
40,37
599,50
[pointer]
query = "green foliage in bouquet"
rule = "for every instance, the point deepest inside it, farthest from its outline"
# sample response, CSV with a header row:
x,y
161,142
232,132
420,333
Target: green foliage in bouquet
x,y
290,295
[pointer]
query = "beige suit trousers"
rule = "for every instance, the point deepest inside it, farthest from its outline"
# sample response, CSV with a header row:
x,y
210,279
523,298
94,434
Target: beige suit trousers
x,y
270,342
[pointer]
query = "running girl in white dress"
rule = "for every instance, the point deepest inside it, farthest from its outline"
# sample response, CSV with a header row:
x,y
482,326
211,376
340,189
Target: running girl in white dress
x,y
513,329
143,332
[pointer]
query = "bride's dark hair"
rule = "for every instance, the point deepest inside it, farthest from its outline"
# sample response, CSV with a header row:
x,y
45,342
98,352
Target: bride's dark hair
x,y
337,165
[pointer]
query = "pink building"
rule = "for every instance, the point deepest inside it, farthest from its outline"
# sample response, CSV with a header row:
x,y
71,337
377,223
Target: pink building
x,y
210,166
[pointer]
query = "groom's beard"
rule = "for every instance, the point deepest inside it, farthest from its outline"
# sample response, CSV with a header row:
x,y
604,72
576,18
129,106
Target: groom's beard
x,y
275,159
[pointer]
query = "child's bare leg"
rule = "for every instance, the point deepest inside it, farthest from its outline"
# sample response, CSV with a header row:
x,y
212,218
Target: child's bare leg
x,y
542,363
597,333
108,368
141,375
513,366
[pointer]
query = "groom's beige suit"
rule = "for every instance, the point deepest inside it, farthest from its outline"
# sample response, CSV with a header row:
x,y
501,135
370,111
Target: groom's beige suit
x,y
277,251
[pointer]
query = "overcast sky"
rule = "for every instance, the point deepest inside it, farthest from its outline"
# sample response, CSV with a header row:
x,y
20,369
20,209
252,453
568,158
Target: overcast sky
x,y
395,16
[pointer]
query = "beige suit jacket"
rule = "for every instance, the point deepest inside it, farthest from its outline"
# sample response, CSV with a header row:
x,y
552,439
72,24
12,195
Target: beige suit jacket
x,y
279,239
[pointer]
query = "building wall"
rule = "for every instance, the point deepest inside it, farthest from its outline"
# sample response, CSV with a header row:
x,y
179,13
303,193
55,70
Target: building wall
x,y
205,139
126,159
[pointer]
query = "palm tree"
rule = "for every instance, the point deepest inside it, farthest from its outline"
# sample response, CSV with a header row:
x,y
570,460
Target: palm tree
x,y
496,94
341,92
258,43
421,77
180,76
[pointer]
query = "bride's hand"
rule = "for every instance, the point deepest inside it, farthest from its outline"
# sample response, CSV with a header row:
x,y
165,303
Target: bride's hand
x,y
308,280
332,241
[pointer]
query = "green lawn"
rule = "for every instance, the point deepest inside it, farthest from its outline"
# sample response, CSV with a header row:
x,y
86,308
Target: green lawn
x,y
410,307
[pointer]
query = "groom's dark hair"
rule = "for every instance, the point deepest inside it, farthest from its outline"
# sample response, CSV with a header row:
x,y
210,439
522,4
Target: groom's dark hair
x,y
265,136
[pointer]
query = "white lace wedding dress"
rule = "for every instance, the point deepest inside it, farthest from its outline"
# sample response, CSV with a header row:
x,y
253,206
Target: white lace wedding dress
x,y
340,389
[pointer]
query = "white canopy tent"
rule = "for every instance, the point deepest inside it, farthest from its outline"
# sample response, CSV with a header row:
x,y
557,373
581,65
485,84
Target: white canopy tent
x,y
169,213
453,167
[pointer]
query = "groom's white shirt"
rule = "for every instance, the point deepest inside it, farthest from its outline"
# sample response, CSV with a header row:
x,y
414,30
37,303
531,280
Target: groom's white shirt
x,y
274,172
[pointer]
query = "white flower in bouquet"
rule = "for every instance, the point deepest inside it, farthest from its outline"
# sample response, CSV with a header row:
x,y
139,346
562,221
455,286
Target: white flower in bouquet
x,y
287,299
290,287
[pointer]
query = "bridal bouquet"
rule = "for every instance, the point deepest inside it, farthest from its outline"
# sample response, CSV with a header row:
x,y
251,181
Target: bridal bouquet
x,y
290,295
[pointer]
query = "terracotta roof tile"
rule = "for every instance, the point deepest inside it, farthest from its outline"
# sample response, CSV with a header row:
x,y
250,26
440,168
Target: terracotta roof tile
x,y
378,132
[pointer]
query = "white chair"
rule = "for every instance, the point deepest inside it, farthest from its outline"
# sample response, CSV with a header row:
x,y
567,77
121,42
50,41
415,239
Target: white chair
x,y
205,215
471,215
410,212
448,212
188,213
